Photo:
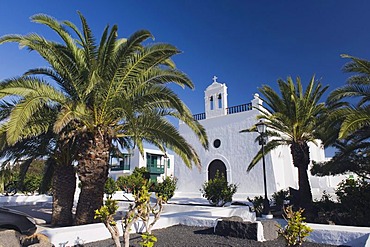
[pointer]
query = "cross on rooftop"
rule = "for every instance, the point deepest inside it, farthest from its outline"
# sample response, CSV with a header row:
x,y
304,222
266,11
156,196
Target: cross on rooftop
x,y
215,79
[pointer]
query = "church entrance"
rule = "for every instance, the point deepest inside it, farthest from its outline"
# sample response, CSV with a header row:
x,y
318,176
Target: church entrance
x,y
216,165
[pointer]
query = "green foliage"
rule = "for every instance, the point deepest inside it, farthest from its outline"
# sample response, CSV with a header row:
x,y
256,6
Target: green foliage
x,y
31,183
293,117
217,191
279,198
296,231
354,198
110,187
109,88
148,240
134,182
348,158
326,210
6,176
292,114
350,102
105,213
33,178
326,202
143,209
11,188
166,189
348,188
257,202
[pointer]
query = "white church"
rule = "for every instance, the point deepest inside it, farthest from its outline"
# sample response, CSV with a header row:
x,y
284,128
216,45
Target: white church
x,y
230,152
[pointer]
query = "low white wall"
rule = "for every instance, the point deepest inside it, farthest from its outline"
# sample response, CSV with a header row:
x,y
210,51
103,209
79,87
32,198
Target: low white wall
x,y
340,235
17,200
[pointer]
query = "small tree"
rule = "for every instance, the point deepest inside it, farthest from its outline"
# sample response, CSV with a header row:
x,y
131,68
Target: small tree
x,y
138,210
139,184
217,191
110,187
296,231
106,214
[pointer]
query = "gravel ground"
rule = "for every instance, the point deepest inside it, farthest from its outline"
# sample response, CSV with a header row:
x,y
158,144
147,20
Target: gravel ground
x,y
180,235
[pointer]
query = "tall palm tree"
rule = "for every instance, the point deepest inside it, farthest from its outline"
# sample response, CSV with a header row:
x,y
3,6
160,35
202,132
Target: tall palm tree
x,y
111,90
349,122
292,117
59,154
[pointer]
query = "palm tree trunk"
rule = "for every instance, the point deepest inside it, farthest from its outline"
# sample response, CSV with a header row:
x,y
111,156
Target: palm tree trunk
x,y
64,185
93,173
301,160
64,182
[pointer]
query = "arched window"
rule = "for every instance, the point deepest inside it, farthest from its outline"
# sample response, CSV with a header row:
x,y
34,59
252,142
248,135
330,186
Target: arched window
x,y
211,102
219,101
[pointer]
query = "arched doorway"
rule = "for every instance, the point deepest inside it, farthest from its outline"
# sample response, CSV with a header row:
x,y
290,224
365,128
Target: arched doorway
x,y
216,165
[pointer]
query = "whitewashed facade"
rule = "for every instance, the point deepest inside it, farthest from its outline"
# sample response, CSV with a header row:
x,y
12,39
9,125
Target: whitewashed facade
x,y
233,151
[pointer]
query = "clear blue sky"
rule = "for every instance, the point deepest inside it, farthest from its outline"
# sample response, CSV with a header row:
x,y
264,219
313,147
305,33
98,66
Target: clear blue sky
x,y
244,43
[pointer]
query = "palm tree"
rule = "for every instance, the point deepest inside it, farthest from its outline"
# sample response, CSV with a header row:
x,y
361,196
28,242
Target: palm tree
x,y
292,118
358,87
59,161
111,90
349,122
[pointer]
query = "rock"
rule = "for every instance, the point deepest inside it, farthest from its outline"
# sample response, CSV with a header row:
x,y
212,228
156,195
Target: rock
x,y
233,218
270,229
36,240
235,227
9,238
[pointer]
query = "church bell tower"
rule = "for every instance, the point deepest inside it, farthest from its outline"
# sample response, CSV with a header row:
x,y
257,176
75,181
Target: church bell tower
x,y
215,99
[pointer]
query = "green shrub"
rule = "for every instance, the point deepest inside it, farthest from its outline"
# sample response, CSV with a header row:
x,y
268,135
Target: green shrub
x,y
326,203
166,189
148,240
31,183
354,198
257,202
134,182
110,187
217,191
6,176
279,198
296,230
326,209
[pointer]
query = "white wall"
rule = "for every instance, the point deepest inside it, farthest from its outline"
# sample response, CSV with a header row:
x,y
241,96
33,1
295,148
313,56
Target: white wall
x,y
236,151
